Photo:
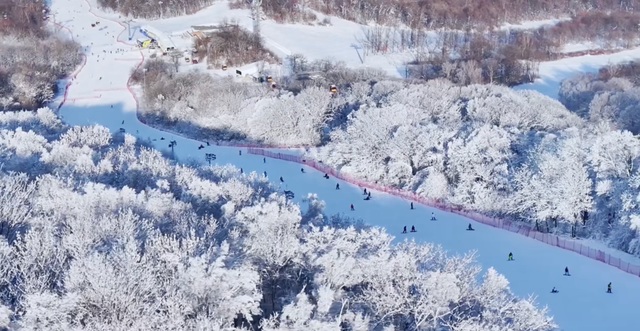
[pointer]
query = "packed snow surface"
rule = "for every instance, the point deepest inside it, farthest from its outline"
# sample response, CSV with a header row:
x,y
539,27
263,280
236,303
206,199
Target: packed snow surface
x,y
582,303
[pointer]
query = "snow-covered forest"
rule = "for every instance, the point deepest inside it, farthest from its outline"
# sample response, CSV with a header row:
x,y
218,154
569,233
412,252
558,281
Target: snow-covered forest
x,y
231,45
611,101
207,108
100,232
508,153
30,68
32,57
515,154
453,14
156,9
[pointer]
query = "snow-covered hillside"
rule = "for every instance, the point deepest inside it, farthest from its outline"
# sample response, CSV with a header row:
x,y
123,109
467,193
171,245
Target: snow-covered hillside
x,y
553,72
99,95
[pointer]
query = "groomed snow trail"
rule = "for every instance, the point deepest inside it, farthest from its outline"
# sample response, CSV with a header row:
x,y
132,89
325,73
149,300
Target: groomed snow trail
x,y
581,305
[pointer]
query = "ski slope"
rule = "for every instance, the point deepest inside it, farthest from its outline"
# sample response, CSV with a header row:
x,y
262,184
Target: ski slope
x,y
581,305
553,72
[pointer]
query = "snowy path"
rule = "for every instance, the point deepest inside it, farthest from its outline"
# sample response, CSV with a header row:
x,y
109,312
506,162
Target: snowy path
x,y
581,305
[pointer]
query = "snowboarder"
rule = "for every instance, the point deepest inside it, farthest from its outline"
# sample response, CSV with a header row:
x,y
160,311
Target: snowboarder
x,y
553,290
404,230
566,271
302,170
365,191
510,257
469,228
208,144
413,228
200,147
352,207
337,186
609,288
161,138
122,121
433,216
240,152
368,197
264,160
282,180
412,205
265,174
326,176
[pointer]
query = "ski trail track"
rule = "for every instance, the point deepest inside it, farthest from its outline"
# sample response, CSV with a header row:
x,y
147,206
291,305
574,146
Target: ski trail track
x,y
581,305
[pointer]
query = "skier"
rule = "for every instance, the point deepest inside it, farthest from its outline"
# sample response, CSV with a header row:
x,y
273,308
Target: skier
x,y
405,229
200,147
326,176
241,171
609,288
433,216
122,121
510,257
352,207
208,144
412,205
368,197
365,191
265,174
469,228
111,106
337,186
264,160
240,152
282,180
413,228
553,290
566,271
161,138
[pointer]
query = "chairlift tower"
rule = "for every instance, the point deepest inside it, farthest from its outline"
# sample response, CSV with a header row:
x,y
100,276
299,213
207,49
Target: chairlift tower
x,y
257,17
255,10
128,23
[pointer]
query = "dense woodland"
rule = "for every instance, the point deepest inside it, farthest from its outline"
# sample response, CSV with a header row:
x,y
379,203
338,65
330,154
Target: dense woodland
x,y
451,14
514,154
155,9
32,59
231,45
99,232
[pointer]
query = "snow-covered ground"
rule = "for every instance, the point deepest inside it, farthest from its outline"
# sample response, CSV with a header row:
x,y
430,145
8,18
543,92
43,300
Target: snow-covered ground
x,y
529,25
335,41
553,72
581,304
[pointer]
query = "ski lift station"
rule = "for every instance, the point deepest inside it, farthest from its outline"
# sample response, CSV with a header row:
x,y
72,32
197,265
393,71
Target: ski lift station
x,y
164,42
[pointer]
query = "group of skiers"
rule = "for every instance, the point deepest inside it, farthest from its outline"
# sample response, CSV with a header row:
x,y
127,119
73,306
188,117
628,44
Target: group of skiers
x,y
413,229
367,195
566,273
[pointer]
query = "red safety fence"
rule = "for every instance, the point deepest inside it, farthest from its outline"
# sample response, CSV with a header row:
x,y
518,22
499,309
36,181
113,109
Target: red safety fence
x,y
522,229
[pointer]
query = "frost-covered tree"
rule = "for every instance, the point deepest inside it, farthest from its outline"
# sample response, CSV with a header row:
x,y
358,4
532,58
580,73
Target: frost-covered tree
x,y
102,233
